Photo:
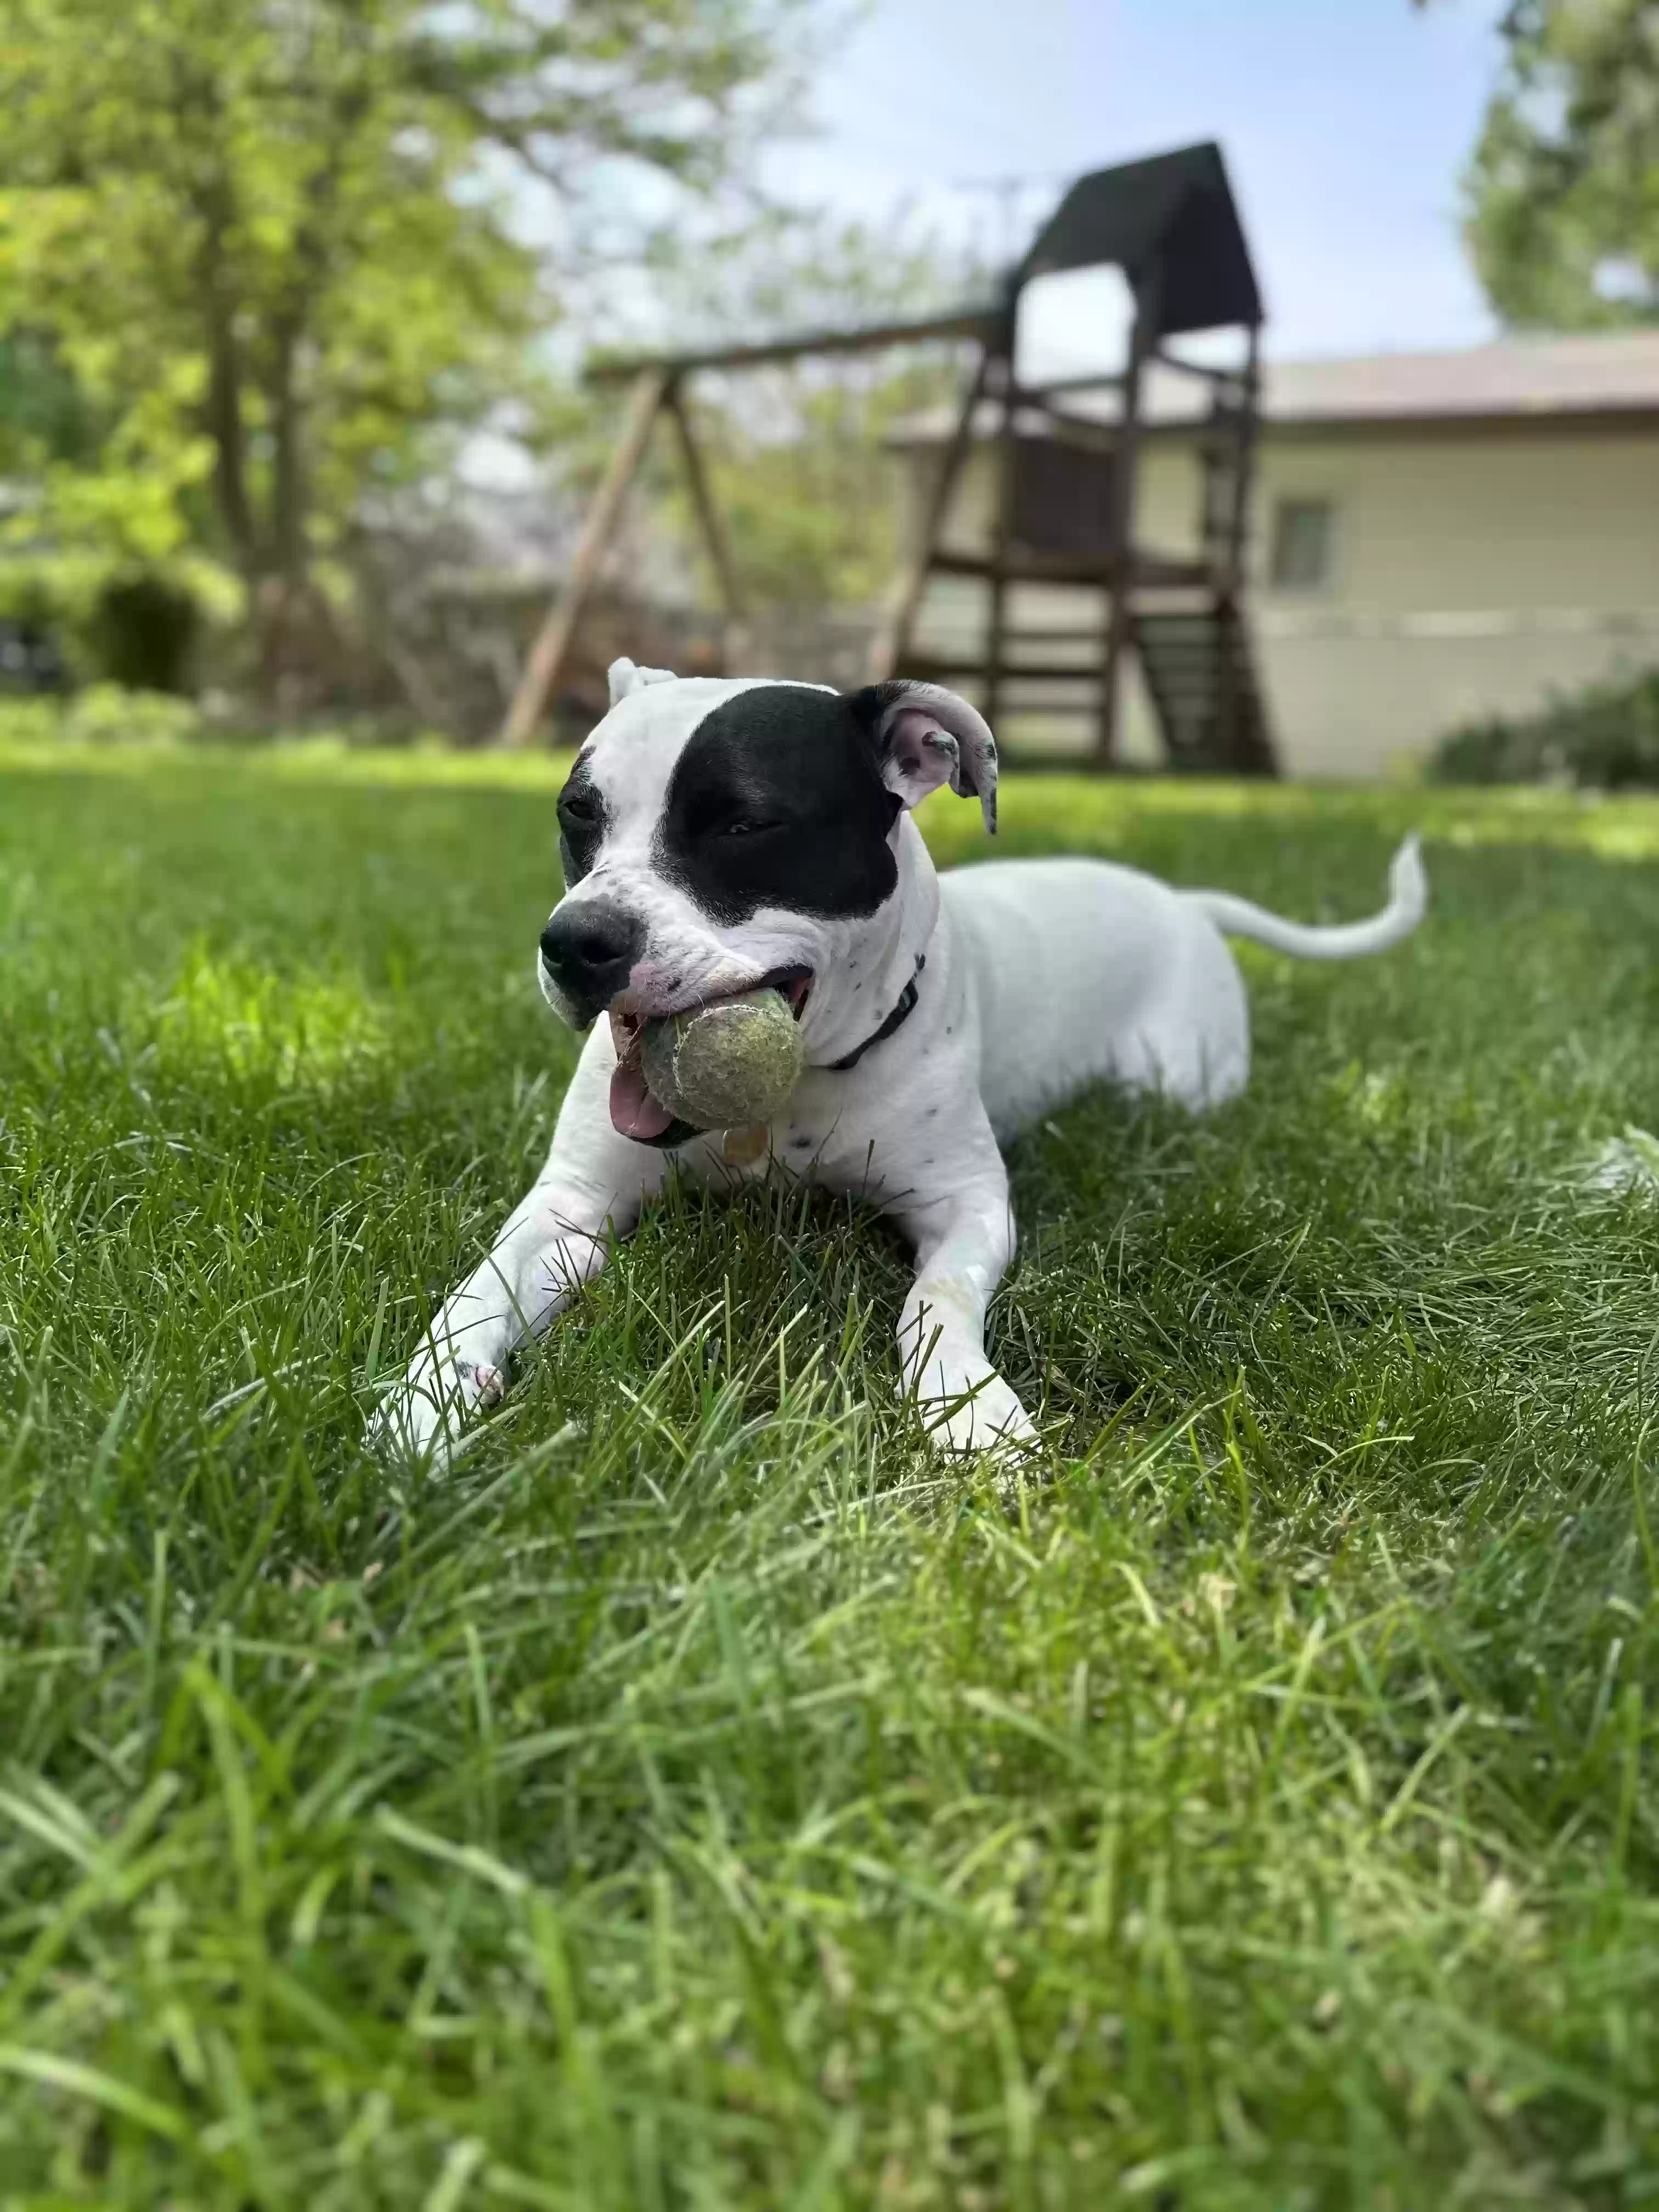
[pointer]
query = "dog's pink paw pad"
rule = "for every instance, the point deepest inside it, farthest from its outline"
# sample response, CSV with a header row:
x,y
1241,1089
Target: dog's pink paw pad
x,y
491,1385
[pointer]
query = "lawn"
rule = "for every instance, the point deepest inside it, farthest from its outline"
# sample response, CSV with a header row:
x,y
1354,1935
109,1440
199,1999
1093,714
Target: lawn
x,y
701,1799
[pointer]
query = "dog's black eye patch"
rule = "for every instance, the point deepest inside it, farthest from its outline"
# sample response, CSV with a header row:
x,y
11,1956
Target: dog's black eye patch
x,y
581,826
777,800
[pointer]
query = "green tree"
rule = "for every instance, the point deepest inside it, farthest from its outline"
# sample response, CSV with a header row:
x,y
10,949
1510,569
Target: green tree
x,y
1564,187
279,247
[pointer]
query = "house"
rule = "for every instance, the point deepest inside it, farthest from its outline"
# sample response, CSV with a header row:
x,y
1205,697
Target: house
x,y
1432,537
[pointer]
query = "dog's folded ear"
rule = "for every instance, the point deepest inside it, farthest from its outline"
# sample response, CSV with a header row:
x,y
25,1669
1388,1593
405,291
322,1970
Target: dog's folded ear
x,y
626,677
927,736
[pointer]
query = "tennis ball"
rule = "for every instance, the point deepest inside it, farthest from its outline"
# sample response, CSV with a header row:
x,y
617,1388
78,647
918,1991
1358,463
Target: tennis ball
x,y
733,1063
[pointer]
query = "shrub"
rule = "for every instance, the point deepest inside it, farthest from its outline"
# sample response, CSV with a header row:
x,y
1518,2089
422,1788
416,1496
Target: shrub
x,y
102,714
1605,737
145,634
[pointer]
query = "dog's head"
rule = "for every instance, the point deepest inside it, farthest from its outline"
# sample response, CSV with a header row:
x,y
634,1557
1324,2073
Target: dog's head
x,y
720,836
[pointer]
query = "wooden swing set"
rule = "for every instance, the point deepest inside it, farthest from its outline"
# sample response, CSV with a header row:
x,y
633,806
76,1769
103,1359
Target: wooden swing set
x,y
1063,509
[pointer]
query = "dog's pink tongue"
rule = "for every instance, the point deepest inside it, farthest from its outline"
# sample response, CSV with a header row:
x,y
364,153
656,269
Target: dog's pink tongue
x,y
634,1111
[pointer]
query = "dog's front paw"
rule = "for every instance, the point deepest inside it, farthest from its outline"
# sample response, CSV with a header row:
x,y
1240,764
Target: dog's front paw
x,y
423,1419
966,1411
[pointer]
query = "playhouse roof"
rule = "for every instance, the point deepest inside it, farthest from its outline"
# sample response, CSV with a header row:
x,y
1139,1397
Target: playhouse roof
x,y
1171,225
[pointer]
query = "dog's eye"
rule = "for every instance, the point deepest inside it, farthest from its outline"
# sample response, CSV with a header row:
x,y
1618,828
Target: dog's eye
x,y
746,826
578,806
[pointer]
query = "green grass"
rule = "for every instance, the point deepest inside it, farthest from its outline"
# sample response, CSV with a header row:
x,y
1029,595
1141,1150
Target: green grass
x,y
701,1799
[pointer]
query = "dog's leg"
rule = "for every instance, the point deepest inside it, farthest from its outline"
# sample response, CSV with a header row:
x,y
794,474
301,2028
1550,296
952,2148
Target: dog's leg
x,y
964,1240
557,1240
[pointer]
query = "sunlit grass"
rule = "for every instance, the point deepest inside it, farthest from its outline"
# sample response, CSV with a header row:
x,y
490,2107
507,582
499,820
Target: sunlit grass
x,y
228,1019
1626,829
704,1799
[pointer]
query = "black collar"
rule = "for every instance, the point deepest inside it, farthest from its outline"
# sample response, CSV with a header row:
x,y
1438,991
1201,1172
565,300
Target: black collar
x,y
899,1015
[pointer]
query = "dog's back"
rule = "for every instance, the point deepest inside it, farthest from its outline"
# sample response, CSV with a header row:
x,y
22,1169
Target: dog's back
x,y
1084,971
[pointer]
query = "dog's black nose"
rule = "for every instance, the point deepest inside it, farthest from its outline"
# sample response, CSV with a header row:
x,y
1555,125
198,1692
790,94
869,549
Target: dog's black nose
x,y
589,951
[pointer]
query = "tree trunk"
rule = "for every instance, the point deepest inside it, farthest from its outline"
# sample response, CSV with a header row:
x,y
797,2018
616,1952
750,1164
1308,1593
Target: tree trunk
x,y
290,628
290,551
227,431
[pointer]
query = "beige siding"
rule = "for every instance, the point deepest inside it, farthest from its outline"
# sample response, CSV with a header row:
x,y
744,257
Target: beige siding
x,y
1471,575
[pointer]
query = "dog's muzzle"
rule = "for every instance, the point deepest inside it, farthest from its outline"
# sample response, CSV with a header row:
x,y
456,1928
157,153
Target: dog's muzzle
x,y
589,951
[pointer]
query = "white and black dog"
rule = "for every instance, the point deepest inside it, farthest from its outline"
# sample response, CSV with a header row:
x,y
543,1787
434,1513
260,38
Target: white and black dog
x,y
718,836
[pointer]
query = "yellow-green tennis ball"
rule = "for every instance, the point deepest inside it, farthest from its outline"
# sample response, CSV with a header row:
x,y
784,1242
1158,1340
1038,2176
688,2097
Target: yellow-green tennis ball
x,y
733,1063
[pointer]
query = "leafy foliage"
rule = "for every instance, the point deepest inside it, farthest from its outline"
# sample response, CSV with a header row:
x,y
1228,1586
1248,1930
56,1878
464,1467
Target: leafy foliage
x,y
273,245
1564,189
1605,737
101,714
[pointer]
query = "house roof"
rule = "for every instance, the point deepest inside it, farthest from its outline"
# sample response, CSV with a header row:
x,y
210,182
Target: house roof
x,y
1513,380
1616,374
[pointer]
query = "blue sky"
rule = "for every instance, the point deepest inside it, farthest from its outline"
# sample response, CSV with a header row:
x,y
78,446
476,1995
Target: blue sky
x,y
1345,122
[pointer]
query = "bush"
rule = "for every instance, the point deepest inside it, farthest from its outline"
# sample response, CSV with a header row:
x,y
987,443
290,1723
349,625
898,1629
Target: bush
x,y
111,714
1605,737
145,629
102,714
144,635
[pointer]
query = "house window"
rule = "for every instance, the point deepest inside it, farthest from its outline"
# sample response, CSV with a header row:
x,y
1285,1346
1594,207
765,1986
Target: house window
x,y
1301,544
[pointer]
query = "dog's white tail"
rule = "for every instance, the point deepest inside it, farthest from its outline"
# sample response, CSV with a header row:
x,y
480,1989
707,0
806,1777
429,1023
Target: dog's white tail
x,y
1409,899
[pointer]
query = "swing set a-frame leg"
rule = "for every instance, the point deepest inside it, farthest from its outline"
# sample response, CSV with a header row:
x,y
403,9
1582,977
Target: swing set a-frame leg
x,y
547,656
654,389
893,638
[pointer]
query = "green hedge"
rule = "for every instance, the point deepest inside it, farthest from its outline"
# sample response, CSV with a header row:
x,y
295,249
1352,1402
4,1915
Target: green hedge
x,y
1605,737
102,714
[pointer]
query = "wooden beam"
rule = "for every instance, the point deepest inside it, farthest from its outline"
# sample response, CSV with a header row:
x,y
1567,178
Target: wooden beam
x,y
1092,380
892,638
1248,427
1152,571
547,655
1201,369
1014,672
1124,579
707,514
1086,432
1227,672
1002,535
979,323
